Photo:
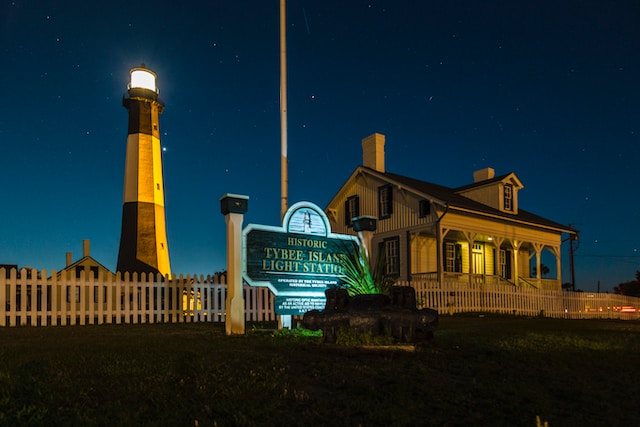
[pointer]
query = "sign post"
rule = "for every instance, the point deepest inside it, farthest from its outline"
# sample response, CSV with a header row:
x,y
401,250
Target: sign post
x,y
233,207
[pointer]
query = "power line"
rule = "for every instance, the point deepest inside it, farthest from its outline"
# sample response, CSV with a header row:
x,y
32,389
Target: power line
x,y
582,255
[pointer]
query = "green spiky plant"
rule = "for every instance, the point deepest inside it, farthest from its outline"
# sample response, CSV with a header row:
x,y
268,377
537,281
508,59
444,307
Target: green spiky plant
x,y
360,278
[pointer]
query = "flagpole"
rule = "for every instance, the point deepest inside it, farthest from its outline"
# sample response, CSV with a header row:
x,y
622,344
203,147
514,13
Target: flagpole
x,y
284,321
284,178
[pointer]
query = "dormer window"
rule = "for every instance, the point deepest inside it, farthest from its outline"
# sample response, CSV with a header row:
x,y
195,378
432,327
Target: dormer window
x,y
508,197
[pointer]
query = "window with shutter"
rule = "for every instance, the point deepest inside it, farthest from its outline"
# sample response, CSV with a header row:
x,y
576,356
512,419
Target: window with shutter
x,y
351,210
385,201
424,208
390,249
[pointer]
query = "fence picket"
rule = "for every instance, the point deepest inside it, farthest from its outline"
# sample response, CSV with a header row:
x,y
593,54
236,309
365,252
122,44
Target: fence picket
x,y
3,297
32,298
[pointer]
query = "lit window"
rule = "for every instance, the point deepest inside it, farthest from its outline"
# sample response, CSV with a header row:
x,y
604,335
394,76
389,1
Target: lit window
x,y
385,201
351,209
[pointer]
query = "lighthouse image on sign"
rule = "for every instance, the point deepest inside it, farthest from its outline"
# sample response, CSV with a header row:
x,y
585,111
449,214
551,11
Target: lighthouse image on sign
x,y
143,239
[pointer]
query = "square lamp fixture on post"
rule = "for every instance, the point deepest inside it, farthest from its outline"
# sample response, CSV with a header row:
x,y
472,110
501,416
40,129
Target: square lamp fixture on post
x,y
234,203
365,226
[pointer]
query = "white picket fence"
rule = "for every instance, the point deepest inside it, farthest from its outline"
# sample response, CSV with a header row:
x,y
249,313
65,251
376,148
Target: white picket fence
x,y
453,297
34,298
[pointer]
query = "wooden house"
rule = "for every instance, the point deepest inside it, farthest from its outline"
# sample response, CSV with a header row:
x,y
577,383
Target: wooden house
x,y
86,264
475,234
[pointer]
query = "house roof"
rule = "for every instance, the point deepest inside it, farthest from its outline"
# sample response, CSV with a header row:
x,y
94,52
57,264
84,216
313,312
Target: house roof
x,y
489,181
450,197
82,261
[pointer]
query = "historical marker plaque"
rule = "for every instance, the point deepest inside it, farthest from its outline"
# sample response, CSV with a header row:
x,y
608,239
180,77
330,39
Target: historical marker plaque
x,y
297,261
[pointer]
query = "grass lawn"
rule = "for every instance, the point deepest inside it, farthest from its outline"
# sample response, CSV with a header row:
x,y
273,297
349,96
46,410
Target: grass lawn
x,y
487,371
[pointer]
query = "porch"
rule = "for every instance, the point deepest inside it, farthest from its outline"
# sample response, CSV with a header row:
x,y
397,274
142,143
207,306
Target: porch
x,y
484,256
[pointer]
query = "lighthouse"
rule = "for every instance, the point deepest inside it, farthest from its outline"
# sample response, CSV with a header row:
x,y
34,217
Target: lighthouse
x,y
143,239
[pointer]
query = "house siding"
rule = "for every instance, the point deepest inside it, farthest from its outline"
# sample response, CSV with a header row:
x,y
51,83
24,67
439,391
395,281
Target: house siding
x,y
405,207
424,256
490,195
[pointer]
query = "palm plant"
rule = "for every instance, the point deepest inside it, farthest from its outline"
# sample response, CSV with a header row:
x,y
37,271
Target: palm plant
x,y
359,278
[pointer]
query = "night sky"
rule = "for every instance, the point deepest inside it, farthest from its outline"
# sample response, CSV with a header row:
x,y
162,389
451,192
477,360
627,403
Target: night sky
x,y
547,89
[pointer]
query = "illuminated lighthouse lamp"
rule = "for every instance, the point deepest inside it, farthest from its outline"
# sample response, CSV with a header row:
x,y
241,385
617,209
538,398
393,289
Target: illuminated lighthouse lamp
x,y
143,79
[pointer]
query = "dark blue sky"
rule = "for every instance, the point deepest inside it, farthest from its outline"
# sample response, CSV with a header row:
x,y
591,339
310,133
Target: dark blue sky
x,y
547,89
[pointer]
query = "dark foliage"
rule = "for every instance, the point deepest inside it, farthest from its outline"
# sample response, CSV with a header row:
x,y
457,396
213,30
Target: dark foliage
x,y
631,288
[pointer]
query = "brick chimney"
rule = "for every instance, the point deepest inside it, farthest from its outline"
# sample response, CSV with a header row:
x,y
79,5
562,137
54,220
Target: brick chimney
x,y
373,152
69,259
483,174
86,248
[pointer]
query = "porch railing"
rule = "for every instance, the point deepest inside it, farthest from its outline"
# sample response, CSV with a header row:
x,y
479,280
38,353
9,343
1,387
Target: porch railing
x,y
485,280
523,301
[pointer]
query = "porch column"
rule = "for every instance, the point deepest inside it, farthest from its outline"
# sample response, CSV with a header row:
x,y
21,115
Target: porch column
x,y
556,253
497,243
531,255
410,238
516,267
538,248
440,235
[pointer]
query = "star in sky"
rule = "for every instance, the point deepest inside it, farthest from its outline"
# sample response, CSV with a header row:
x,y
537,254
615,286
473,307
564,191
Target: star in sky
x,y
547,90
